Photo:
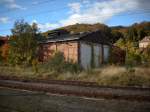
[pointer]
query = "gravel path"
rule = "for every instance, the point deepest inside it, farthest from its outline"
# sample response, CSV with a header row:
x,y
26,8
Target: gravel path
x,y
26,101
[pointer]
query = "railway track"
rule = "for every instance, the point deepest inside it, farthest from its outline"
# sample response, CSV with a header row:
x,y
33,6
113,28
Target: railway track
x,y
71,82
79,88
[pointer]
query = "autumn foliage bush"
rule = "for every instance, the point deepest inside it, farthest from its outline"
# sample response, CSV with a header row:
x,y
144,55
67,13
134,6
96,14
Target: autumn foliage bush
x,y
117,55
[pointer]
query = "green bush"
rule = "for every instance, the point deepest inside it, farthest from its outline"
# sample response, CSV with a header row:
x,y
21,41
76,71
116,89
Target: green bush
x,y
146,55
58,64
133,59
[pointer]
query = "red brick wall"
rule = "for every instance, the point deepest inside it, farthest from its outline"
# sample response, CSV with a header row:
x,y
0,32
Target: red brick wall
x,y
69,49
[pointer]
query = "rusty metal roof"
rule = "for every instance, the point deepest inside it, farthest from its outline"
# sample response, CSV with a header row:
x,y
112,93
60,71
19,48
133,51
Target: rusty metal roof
x,y
94,37
67,37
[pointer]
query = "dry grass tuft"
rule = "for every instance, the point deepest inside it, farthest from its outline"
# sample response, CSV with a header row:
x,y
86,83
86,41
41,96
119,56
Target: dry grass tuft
x,y
106,75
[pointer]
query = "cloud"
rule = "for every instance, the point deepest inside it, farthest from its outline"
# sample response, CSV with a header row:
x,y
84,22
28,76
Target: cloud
x,y
46,26
35,3
16,6
100,11
144,4
4,20
75,7
11,4
86,1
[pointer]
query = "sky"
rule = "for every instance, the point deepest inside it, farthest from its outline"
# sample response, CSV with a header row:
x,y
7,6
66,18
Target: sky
x,y
52,14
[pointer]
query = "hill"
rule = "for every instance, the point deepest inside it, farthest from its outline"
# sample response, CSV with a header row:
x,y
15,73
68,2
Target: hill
x,y
114,33
83,28
145,26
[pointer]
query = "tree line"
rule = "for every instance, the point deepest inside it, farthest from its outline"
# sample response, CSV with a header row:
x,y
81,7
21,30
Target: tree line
x,y
23,43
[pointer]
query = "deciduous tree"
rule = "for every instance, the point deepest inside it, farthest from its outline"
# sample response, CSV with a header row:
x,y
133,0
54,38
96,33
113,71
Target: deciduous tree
x,y
23,43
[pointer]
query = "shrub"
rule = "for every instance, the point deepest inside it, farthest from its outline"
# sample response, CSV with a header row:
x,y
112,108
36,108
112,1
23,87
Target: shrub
x,y
117,56
133,59
58,64
146,55
34,65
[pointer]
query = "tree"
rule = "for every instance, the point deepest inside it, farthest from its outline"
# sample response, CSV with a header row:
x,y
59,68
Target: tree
x,y
116,35
23,43
21,27
132,34
141,34
121,43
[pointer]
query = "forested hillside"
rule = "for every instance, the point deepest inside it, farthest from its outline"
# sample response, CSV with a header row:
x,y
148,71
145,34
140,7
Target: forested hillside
x,y
134,32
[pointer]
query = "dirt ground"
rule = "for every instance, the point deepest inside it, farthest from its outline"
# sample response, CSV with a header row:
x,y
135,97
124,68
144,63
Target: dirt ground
x,y
12,100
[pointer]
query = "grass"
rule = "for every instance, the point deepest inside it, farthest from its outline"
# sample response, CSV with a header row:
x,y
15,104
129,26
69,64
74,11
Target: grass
x,y
106,75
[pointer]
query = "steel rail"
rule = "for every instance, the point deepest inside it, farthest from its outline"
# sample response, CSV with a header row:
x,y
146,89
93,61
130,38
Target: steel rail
x,y
76,90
